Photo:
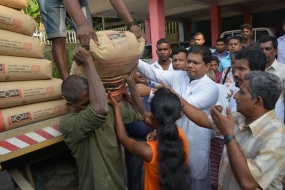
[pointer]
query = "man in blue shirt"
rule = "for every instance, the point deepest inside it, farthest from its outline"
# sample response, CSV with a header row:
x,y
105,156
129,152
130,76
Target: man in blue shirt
x,y
234,46
221,49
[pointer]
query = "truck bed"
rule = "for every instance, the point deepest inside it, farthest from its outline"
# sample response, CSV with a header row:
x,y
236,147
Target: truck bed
x,y
29,138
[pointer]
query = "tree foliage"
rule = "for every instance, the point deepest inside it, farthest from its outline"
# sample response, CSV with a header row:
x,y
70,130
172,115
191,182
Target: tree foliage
x,y
33,11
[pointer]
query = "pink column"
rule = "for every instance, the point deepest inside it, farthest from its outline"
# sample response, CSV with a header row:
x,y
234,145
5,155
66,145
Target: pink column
x,y
215,23
247,17
157,23
147,31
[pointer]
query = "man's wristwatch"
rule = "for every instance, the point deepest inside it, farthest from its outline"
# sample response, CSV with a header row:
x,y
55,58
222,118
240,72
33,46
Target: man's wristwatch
x,y
228,138
131,24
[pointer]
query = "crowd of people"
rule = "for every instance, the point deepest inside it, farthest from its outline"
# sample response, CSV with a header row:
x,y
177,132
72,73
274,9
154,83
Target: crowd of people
x,y
191,120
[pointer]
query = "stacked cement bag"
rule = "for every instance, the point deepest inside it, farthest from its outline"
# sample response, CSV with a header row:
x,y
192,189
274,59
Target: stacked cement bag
x,y
28,93
114,59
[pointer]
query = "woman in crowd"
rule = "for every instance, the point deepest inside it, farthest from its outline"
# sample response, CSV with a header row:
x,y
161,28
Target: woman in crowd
x,y
214,65
165,159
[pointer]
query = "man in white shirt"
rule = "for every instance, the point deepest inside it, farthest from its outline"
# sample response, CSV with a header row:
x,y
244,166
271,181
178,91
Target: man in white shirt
x,y
200,91
246,61
163,51
268,45
164,62
281,46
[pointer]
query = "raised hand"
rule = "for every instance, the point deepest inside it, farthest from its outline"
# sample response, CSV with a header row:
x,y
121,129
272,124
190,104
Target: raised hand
x,y
80,55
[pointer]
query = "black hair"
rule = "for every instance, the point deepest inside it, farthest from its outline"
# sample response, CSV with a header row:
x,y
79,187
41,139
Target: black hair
x,y
204,51
199,33
163,40
247,26
235,38
268,38
73,86
221,40
214,58
256,59
284,21
173,166
179,50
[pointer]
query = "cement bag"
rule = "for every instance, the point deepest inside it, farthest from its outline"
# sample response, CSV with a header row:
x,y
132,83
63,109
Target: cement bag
x,y
11,118
118,53
28,92
20,45
16,21
20,68
16,4
116,84
114,59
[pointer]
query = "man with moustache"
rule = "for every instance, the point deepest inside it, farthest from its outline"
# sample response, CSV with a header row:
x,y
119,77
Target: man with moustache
x,y
245,61
254,154
200,91
234,46
164,62
246,33
268,45
163,51
179,58
221,49
199,39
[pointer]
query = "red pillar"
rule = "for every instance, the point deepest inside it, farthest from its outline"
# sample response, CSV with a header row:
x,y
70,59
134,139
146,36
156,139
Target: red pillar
x,y
215,23
247,17
147,31
157,23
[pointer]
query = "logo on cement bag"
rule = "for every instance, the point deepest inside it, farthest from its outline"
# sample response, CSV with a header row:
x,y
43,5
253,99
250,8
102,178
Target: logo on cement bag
x,y
27,46
16,23
57,109
49,90
117,35
35,69
2,68
10,94
20,118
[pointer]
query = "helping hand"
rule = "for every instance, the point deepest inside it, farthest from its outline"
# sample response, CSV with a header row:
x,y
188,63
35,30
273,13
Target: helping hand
x,y
80,55
136,30
225,124
111,100
84,34
151,136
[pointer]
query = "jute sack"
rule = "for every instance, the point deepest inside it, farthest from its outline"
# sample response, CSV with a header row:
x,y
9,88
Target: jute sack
x,y
16,4
20,68
16,21
14,117
28,92
20,45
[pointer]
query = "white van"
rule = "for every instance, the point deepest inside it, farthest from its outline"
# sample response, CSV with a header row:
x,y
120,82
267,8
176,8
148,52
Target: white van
x,y
257,33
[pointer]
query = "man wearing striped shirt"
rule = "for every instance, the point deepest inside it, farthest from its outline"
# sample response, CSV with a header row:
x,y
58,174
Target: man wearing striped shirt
x,y
254,153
